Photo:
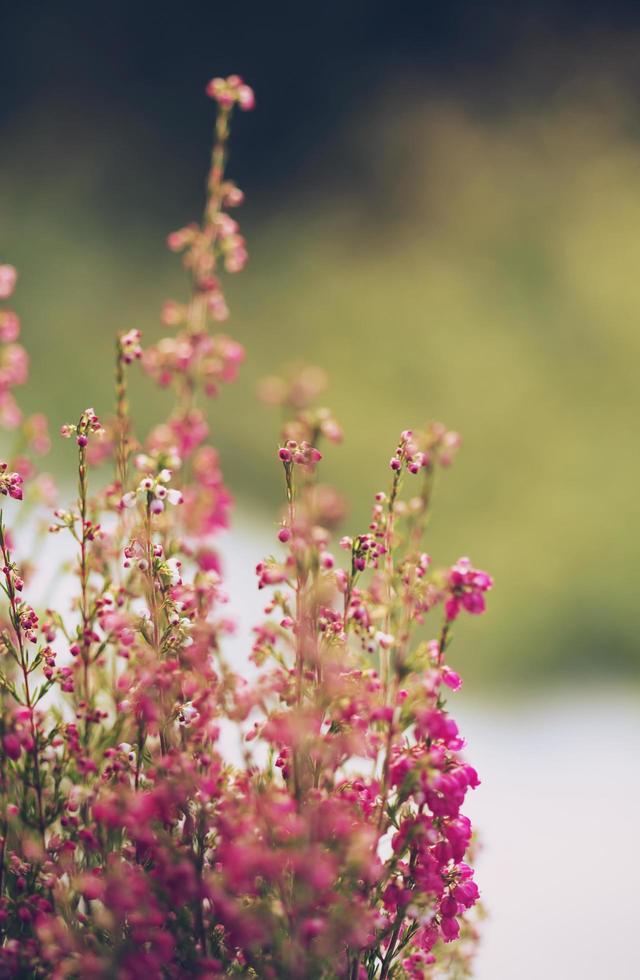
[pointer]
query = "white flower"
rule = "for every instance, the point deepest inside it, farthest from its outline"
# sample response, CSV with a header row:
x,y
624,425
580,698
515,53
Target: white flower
x,y
385,640
157,487
175,497
187,714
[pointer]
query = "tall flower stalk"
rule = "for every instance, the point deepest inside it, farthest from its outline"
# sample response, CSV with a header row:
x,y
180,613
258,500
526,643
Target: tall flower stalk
x,y
132,843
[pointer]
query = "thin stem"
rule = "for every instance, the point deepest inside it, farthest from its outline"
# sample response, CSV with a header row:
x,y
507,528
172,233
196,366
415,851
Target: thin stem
x,y
419,526
386,963
299,625
5,820
389,568
139,751
85,644
385,657
24,666
218,161
122,415
443,640
197,310
155,615
199,863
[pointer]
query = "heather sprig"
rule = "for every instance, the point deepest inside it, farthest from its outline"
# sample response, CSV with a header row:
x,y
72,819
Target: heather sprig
x,y
132,842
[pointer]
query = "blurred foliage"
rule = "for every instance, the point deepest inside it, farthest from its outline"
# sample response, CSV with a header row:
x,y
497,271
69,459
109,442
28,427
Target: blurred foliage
x,y
484,273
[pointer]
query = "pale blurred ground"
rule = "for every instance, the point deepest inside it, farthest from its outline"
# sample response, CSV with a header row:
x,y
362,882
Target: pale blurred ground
x,y
558,811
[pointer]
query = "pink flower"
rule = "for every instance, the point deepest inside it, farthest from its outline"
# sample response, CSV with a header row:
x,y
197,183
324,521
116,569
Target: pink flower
x,y
130,347
230,91
336,842
14,366
12,746
10,483
450,928
9,326
467,586
8,276
451,679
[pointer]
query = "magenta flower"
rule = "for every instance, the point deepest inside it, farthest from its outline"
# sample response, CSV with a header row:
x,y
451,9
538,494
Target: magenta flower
x,y
334,844
10,483
466,589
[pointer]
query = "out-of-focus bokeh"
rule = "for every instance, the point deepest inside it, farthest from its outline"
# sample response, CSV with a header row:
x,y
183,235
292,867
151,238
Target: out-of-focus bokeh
x,y
443,211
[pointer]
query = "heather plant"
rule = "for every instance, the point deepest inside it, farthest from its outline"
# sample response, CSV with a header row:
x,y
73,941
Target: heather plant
x,y
133,844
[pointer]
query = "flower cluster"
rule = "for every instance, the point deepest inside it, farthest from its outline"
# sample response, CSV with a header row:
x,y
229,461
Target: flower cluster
x,y
133,842
231,91
130,346
303,454
153,490
209,359
88,424
10,483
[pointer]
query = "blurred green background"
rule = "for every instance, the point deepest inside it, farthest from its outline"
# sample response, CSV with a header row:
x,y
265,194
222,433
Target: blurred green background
x,y
454,235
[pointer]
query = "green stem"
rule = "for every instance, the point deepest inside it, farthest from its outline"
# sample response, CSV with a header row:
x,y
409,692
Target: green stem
x,y
155,617
24,666
85,645
122,415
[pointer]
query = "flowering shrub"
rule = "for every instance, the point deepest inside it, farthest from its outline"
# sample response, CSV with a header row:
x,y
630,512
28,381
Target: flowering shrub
x,y
131,844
